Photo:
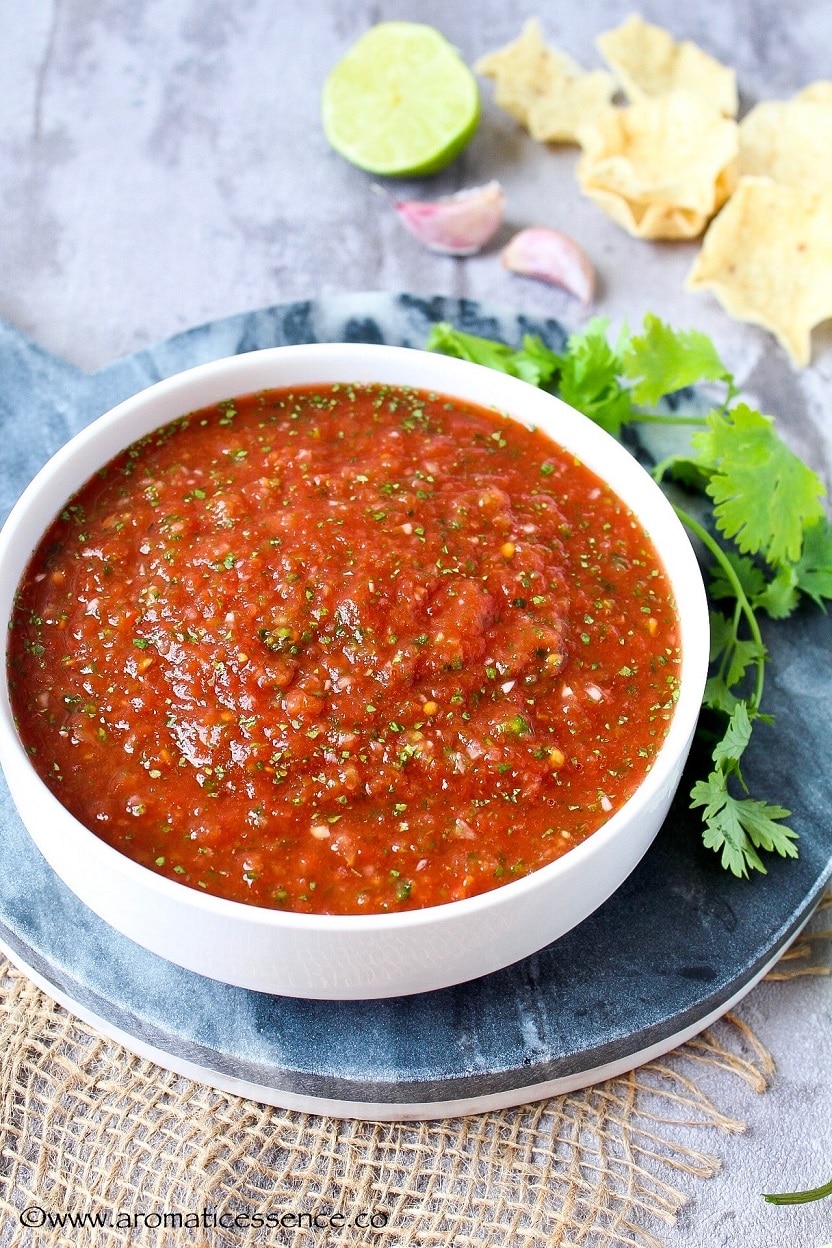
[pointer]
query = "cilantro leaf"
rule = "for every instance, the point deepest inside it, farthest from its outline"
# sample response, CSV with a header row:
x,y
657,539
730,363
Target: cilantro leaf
x,y
737,735
737,654
764,495
814,568
780,595
663,360
589,378
737,827
763,824
748,574
718,697
717,694
723,831
534,362
722,633
449,341
745,652
683,469
535,354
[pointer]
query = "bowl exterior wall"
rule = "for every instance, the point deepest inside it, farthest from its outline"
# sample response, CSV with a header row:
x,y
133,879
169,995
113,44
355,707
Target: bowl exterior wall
x,y
344,963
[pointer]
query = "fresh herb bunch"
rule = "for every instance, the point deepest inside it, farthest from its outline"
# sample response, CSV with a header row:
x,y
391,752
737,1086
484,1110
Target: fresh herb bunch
x,y
767,531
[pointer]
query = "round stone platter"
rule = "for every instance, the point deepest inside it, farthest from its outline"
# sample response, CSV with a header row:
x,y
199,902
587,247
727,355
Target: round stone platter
x,y
677,945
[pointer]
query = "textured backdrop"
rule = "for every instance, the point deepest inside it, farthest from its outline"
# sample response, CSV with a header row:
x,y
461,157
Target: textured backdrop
x,y
161,164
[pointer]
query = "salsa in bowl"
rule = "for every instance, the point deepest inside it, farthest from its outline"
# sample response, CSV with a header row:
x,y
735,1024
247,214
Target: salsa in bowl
x,y
392,663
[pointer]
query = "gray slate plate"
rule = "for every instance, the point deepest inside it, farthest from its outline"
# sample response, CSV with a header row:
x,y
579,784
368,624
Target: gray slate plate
x,y
672,949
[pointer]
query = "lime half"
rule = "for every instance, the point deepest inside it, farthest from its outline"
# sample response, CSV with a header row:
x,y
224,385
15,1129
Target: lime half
x,y
401,102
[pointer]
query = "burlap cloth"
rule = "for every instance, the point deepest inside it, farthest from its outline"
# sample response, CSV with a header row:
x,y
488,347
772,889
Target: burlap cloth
x,y
87,1127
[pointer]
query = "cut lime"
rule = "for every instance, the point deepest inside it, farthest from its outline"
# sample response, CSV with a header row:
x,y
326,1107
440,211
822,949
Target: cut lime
x,y
401,102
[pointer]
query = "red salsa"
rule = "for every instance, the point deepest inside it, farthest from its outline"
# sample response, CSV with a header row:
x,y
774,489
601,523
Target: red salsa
x,y
349,649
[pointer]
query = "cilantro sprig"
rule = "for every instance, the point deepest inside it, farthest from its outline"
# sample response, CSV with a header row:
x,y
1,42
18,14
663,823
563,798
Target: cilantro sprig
x,y
799,1198
765,529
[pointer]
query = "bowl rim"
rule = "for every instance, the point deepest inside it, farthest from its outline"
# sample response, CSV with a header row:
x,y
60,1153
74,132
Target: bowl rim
x,y
693,625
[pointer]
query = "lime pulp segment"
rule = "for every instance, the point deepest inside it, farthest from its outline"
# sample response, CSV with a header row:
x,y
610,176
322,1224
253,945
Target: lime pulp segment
x,y
401,102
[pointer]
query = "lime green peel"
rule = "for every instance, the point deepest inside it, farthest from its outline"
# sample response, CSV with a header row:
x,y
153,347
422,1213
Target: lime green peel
x,y
401,103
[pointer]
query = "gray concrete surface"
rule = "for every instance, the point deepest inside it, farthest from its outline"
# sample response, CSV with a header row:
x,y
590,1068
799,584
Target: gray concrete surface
x,y
162,163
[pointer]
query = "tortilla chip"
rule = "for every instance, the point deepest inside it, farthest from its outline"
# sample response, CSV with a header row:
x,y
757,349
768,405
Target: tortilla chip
x,y
660,168
768,259
789,141
649,63
544,88
816,93
558,116
522,71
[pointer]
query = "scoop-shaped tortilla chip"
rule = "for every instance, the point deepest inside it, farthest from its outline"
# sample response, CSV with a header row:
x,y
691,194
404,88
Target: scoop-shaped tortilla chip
x,y
660,168
768,259
544,88
816,93
648,62
789,141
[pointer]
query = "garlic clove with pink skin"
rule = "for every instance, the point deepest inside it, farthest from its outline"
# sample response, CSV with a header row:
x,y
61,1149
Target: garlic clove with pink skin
x,y
456,225
552,257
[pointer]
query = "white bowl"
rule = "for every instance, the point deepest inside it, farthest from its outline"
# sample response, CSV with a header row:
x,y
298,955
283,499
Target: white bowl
x,y
354,956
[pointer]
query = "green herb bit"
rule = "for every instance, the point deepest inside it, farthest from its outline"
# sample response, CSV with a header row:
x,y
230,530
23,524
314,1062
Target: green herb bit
x,y
764,496
799,1198
663,360
535,363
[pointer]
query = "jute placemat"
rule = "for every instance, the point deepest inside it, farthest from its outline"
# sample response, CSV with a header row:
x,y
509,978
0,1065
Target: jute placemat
x,y
89,1129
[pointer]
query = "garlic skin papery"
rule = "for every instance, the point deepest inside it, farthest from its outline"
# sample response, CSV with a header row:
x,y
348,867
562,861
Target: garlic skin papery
x,y
552,257
456,225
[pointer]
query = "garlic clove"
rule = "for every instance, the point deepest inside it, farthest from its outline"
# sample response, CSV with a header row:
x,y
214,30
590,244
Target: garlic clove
x,y
456,225
552,257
